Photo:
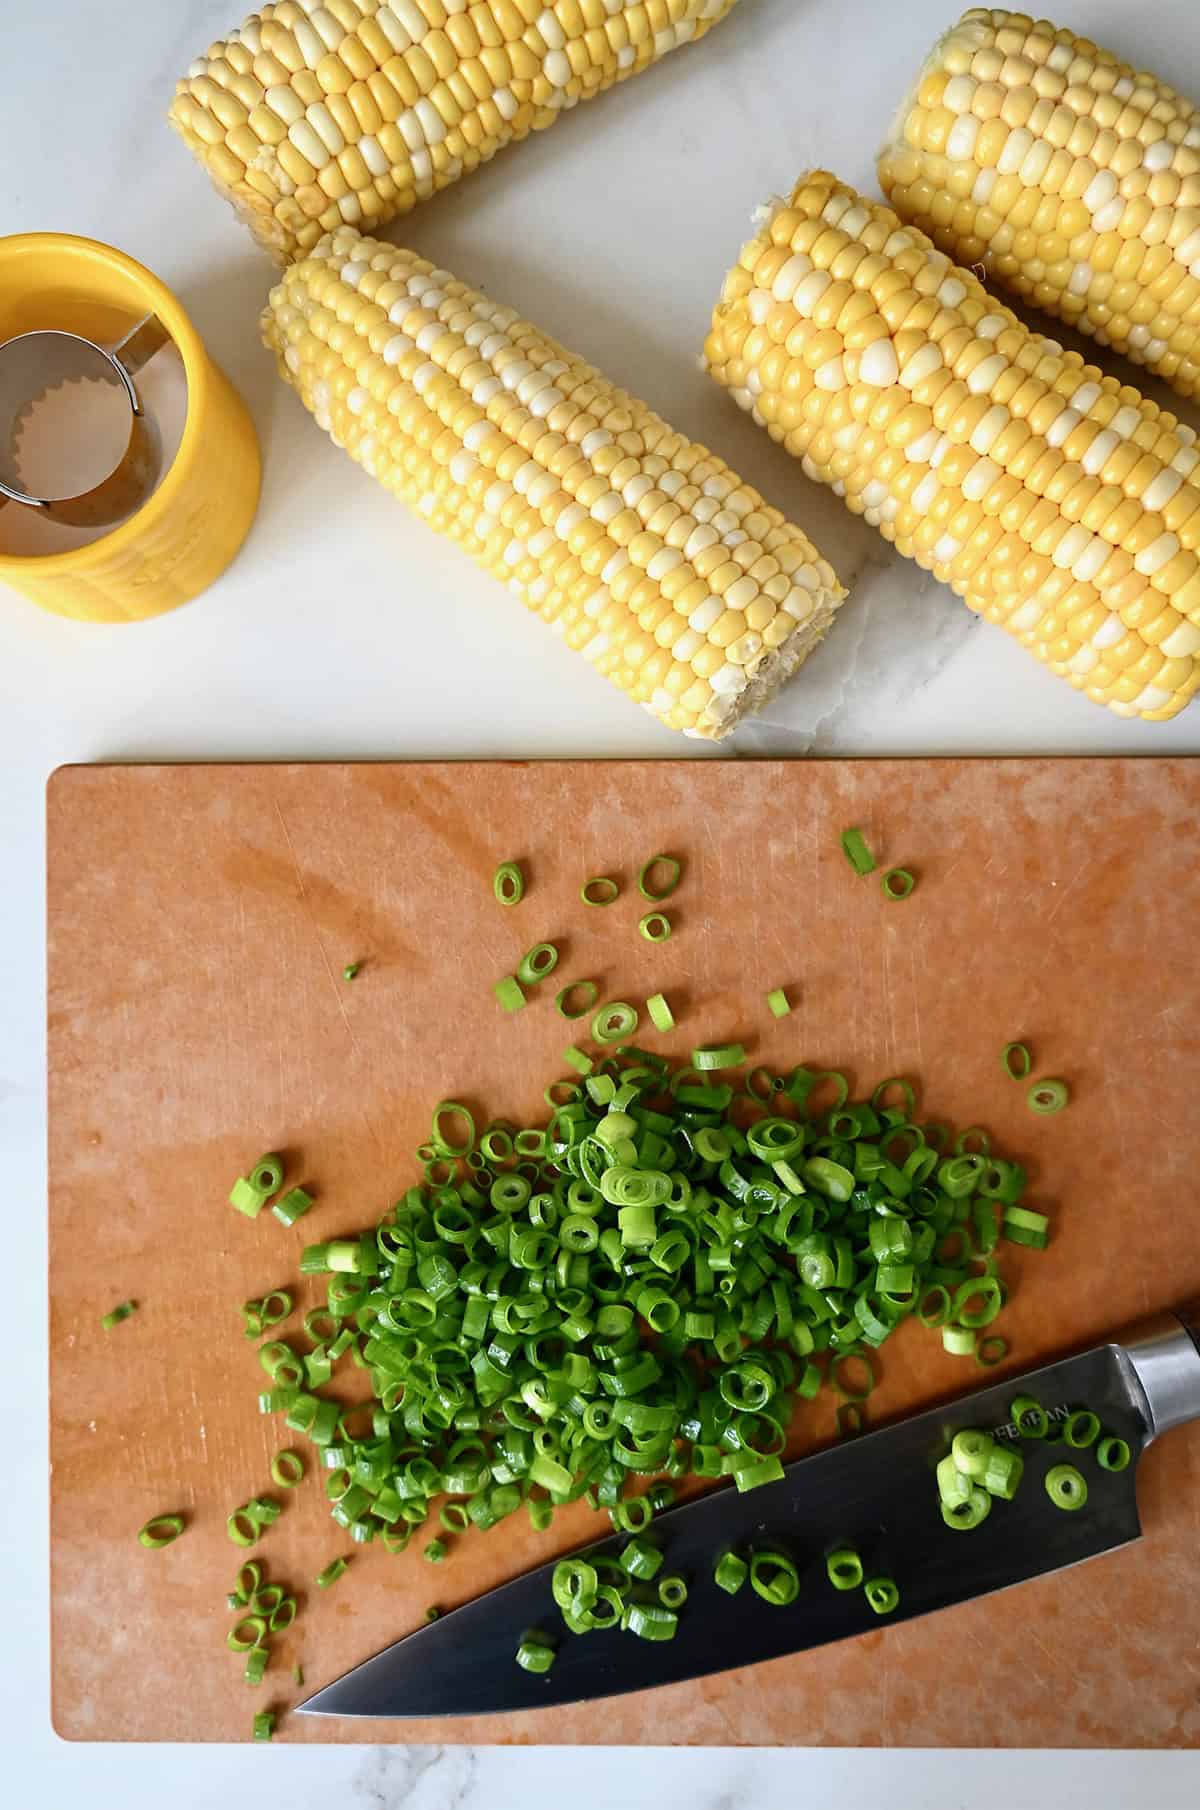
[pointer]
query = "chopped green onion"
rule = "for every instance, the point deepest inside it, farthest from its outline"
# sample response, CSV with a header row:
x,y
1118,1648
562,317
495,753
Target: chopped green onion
x,y
331,1573
657,893
672,1591
537,963
897,883
352,970
535,1654
1065,1487
508,884
882,1594
435,1551
1081,1428
433,1613
655,926
1022,1226
614,1021
160,1530
965,1515
960,1341
116,1314
508,992
562,1000
651,1621
1029,1417
578,1059
844,1569
264,1725
774,1577
661,1015
971,1451
722,1055
287,1469
731,1573
1003,1472
1047,1096
1016,1061
298,1674
256,1664
992,1350
292,1206
854,847
267,1174
1113,1454
246,1198
599,891
641,1559
778,1003
247,1634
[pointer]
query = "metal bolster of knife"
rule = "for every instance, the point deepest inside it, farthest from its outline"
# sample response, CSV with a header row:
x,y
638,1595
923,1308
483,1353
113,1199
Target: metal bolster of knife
x,y
1163,1355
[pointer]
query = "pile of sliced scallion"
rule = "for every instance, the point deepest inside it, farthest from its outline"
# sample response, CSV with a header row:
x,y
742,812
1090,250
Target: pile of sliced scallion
x,y
644,1286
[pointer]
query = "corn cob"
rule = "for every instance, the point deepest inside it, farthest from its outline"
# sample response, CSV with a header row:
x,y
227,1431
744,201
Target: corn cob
x,y
312,115
1072,177
1054,500
638,546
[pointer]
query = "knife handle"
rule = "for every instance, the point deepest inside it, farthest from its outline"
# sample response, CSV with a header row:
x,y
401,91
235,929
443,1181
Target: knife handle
x,y
1164,1355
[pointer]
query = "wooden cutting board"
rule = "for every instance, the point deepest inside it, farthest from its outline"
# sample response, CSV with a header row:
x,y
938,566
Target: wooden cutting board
x,y
199,922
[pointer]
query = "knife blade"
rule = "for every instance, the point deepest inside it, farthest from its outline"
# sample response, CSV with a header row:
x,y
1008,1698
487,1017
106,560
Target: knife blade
x,y
876,1493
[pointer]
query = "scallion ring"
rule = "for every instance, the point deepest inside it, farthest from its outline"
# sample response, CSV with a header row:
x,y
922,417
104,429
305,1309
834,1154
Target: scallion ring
x,y
287,1469
1113,1454
897,884
160,1530
508,883
563,1001
655,926
882,1594
672,1591
1047,1096
256,1664
660,1013
247,1634
722,1055
267,1174
774,1577
537,963
992,1350
116,1314
657,893
1081,1429
778,1003
844,1569
599,891
614,1021
331,1573
1066,1487
443,1143
1016,1061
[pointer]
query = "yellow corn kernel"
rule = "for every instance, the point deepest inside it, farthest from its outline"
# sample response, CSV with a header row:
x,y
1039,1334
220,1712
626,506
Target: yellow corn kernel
x,y
677,581
1055,501
1086,171
449,87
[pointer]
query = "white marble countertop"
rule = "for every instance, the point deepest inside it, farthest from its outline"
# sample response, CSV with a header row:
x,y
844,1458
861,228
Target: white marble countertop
x,y
346,630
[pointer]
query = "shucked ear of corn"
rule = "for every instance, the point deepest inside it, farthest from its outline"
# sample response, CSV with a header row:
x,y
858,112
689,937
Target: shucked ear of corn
x,y
1054,500
312,115
1073,177
641,548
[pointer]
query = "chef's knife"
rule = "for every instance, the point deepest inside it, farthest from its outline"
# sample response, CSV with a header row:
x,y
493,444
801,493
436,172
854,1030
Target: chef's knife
x,y
876,1493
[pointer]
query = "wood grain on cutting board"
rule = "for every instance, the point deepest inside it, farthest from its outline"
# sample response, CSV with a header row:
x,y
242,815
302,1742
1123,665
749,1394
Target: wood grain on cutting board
x,y
199,922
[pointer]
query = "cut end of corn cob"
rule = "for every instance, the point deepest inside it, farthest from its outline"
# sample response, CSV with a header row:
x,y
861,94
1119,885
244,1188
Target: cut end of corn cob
x,y
638,546
311,116
1072,177
1054,500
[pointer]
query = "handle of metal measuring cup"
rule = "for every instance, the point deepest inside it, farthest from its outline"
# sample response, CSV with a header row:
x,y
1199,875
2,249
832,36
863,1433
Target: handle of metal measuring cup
x,y
186,533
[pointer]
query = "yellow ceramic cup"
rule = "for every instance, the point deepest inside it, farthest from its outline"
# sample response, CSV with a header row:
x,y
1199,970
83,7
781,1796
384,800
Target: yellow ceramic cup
x,y
186,533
